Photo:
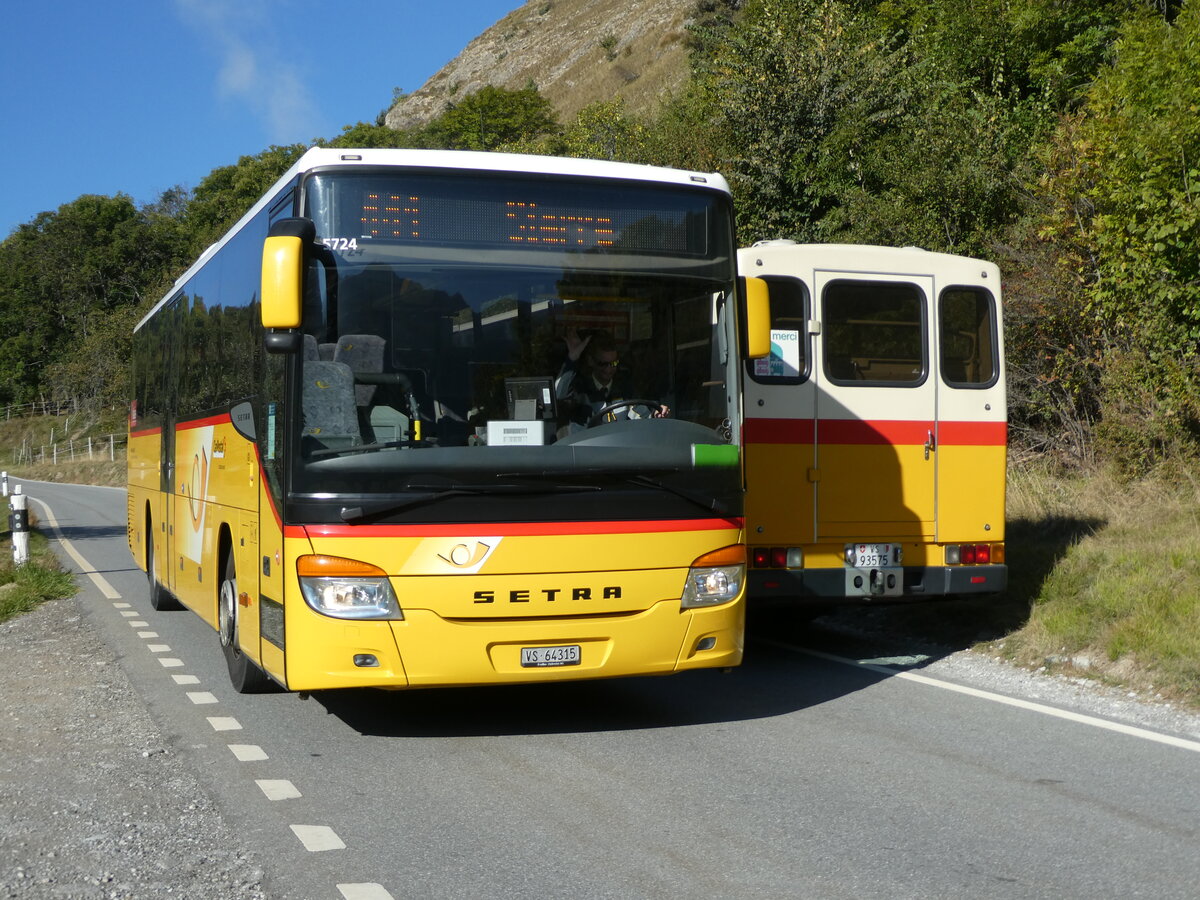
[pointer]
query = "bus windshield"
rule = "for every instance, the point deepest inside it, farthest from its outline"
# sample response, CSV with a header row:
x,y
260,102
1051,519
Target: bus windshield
x,y
463,329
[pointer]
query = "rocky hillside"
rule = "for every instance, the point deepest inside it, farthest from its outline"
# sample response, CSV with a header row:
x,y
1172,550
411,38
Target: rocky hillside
x,y
575,51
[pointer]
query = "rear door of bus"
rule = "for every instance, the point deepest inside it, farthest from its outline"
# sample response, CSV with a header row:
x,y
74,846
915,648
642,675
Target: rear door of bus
x,y
876,408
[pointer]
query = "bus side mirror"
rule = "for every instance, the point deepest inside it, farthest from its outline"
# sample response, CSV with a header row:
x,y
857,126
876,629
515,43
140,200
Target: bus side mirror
x,y
757,305
283,282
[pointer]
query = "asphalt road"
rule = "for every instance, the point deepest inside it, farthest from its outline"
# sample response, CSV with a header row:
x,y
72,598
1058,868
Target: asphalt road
x,y
810,771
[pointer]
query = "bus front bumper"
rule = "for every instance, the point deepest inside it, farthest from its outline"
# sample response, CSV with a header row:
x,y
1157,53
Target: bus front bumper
x,y
427,650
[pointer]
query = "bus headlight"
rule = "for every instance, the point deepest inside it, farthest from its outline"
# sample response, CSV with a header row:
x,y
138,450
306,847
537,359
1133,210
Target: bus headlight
x,y
347,588
715,578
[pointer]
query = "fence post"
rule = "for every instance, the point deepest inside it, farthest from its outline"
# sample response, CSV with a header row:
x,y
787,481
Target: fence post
x,y
4,482
18,522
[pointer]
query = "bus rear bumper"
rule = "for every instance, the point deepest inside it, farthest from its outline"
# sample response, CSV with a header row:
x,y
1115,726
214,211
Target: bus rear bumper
x,y
825,586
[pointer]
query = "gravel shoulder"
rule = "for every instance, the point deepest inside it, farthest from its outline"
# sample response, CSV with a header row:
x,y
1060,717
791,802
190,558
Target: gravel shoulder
x,y
94,803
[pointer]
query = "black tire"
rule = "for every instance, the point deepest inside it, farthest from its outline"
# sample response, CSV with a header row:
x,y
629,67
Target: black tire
x,y
245,676
160,598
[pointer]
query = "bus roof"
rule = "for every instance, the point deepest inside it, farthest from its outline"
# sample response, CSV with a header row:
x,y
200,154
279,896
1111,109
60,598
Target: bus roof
x,y
516,163
862,258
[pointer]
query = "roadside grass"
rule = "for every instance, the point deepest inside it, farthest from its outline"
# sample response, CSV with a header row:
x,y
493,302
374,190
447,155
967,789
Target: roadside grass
x,y
17,436
42,578
1120,600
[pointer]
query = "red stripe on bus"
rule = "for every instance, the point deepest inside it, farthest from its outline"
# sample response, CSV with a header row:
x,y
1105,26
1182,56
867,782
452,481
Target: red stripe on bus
x,y
222,419
857,431
778,431
973,434
144,432
513,529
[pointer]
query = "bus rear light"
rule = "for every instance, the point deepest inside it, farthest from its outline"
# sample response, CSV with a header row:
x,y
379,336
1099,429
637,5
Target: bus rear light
x,y
974,554
777,557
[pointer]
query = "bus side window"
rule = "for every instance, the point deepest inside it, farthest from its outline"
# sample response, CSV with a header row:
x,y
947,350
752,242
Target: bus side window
x,y
789,322
967,332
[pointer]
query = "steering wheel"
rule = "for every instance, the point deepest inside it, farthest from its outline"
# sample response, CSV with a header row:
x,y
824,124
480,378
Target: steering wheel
x,y
599,415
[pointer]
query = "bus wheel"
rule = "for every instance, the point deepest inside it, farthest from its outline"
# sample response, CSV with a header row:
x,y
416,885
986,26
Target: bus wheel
x,y
160,597
247,678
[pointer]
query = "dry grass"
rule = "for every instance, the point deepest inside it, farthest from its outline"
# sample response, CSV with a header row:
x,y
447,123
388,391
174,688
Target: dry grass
x,y
83,471
21,437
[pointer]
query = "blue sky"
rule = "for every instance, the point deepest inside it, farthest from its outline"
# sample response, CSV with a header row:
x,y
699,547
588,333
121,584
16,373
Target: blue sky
x,y
137,96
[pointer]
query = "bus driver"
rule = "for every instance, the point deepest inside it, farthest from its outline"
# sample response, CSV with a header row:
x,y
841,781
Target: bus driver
x,y
587,383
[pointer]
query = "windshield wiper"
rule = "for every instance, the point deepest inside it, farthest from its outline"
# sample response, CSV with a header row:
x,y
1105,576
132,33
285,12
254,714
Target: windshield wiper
x,y
704,501
433,494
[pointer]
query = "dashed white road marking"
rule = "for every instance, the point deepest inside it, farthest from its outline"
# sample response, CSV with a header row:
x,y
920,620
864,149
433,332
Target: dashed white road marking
x,y
315,838
86,567
1066,715
364,891
318,837
248,752
277,788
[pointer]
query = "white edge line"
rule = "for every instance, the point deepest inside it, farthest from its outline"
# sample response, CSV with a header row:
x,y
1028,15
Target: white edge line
x,y
87,568
1080,718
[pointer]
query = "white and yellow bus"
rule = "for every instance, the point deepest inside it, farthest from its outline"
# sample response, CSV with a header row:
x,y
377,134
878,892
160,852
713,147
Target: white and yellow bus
x,y
346,450
875,433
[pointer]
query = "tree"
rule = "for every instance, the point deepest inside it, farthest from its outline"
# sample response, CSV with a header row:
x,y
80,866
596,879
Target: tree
x,y
228,192
491,118
1124,214
65,278
378,135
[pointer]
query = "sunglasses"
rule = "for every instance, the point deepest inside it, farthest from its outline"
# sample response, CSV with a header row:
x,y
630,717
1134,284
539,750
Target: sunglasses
x,y
606,365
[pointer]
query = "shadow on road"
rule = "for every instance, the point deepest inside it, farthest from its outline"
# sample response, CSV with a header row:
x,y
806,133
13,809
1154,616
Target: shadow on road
x,y
85,532
771,682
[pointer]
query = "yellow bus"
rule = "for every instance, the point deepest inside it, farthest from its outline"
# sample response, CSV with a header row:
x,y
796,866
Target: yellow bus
x,y
352,455
875,432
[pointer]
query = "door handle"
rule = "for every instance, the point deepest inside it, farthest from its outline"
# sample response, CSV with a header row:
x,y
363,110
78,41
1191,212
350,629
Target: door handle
x,y
930,444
